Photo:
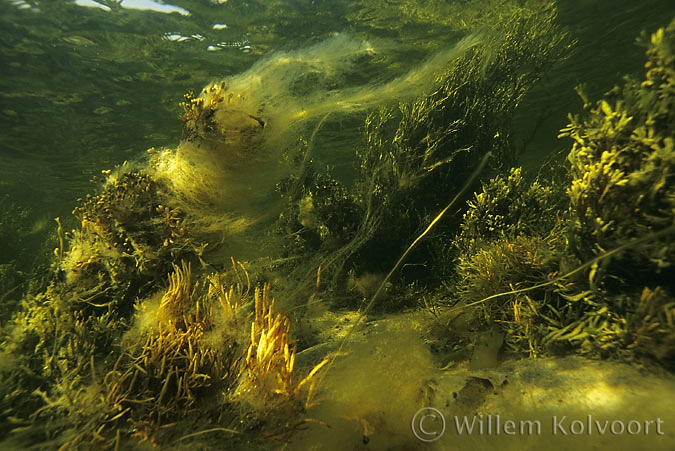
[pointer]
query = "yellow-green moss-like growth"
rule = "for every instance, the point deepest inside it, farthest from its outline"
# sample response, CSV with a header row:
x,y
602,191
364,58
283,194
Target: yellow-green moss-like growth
x,y
507,206
623,162
510,240
202,358
601,288
198,354
127,239
622,195
107,356
416,158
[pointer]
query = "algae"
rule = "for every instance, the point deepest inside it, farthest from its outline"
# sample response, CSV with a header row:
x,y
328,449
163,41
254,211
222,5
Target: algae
x,y
580,274
149,332
416,156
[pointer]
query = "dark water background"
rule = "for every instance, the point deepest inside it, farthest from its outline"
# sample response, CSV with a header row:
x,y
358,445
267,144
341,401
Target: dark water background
x,y
83,89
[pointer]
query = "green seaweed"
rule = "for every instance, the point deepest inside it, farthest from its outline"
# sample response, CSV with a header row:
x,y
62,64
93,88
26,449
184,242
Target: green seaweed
x,y
592,277
415,156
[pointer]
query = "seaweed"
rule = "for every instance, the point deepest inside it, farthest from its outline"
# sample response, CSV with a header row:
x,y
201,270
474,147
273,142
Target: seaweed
x,y
141,336
321,213
509,241
622,162
127,239
416,157
203,349
589,274
105,355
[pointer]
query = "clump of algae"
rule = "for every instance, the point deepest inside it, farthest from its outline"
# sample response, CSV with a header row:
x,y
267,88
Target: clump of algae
x,y
242,135
369,395
520,277
202,355
416,156
108,355
582,268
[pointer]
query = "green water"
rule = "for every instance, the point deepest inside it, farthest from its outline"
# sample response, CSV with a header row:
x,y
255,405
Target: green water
x,y
84,89
86,86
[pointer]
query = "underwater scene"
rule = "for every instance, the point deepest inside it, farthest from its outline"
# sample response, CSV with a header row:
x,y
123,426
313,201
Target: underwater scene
x,y
337,225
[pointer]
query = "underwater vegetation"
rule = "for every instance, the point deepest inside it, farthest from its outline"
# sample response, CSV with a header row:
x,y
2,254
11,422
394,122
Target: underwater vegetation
x,y
584,265
622,192
126,239
241,134
186,307
124,341
192,354
417,154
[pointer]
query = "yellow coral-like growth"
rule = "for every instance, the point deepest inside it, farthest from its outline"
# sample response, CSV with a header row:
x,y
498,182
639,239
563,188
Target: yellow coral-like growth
x,y
266,379
169,365
175,303
204,355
